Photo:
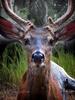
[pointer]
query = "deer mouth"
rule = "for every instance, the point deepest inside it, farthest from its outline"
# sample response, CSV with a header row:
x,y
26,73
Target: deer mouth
x,y
38,65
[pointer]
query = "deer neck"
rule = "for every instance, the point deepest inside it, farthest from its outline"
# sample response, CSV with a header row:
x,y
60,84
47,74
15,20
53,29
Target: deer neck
x,y
38,81
42,84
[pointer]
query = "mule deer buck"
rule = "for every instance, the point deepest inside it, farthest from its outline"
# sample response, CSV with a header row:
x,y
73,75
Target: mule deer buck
x,y
44,79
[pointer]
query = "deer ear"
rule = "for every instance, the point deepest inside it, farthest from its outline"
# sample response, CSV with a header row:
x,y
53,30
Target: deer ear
x,y
67,32
9,30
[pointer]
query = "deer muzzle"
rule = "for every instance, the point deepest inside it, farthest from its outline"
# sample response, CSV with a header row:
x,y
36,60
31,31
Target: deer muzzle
x,y
38,57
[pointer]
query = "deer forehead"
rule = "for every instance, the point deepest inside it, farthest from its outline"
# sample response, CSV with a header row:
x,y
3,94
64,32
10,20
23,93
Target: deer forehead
x,y
38,32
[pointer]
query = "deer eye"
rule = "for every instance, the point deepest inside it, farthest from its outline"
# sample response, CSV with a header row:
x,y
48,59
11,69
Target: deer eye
x,y
50,41
27,41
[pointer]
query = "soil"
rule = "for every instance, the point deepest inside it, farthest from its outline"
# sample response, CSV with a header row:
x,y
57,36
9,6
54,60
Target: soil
x,y
8,92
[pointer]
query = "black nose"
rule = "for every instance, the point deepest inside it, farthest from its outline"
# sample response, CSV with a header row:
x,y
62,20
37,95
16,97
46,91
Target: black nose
x,y
38,57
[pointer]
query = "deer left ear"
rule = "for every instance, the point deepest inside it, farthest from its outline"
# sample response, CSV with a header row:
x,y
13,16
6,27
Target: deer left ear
x,y
10,30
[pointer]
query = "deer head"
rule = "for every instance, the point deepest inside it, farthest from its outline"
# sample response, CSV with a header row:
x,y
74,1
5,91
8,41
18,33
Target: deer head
x,y
37,40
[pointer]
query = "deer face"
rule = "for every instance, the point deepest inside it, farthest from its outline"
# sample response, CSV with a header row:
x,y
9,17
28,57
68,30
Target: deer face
x,y
38,42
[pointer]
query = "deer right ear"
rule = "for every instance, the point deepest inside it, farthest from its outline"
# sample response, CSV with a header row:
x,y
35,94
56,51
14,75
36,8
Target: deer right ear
x,y
10,30
67,32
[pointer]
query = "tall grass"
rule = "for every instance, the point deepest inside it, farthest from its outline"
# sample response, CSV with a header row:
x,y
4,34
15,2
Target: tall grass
x,y
13,64
67,61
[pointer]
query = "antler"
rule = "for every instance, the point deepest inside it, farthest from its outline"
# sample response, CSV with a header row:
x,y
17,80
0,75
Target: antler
x,y
14,16
66,16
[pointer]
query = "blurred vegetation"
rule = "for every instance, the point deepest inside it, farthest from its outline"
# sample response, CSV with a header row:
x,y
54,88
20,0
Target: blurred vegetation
x,y
24,13
67,61
43,8
64,59
13,64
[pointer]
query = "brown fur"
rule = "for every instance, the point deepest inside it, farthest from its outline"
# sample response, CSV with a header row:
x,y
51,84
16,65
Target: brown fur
x,y
39,87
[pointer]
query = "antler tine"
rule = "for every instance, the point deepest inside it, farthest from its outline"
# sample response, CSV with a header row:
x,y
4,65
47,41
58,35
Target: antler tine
x,y
13,15
67,15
